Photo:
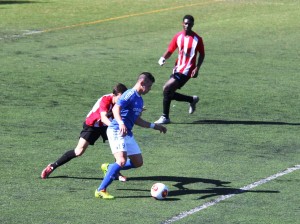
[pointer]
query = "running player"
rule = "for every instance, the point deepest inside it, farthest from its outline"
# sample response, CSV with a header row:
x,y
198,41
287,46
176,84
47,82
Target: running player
x,y
125,149
189,44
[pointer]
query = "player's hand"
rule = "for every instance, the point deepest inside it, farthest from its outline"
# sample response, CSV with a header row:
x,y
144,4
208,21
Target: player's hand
x,y
123,130
195,73
161,61
160,128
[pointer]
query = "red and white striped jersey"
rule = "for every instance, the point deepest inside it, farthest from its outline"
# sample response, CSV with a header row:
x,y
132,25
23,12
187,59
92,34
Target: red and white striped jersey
x,y
188,47
103,104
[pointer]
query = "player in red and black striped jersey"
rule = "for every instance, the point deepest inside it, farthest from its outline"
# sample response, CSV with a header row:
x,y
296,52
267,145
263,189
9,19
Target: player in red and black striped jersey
x,y
95,125
189,45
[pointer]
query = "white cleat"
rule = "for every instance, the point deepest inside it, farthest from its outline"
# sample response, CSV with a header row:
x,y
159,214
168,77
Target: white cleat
x,y
162,120
193,104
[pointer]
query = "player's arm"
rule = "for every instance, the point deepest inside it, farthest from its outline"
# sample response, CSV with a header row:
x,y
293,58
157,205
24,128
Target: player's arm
x,y
105,104
199,62
104,117
163,58
117,115
145,124
171,48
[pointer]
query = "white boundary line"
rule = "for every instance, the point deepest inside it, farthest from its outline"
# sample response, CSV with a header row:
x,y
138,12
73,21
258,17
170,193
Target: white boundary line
x,y
224,197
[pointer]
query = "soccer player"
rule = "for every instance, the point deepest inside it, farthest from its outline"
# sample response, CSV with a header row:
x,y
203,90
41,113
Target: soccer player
x,y
127,112
95,125
189,44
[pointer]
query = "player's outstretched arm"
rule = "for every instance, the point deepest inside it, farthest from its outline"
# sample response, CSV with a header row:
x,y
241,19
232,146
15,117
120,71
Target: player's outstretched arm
x,y
145,124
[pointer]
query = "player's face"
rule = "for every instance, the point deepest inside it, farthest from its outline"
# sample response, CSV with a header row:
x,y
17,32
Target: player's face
x,y
187,25
146,86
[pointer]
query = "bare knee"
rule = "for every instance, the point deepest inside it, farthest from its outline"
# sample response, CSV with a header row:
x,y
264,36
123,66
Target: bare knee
x,y
81,147
79,151
121,162
138,164
121,158
137,161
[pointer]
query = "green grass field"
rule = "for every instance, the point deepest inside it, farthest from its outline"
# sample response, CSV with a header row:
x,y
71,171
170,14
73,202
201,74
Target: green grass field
x,y
58,57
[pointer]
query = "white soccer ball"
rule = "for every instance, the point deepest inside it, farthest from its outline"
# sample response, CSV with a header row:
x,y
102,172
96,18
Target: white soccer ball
x,y
159,191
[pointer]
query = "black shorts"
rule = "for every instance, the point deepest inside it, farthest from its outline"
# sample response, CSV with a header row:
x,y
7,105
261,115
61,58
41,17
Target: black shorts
x,y
180,78
91,134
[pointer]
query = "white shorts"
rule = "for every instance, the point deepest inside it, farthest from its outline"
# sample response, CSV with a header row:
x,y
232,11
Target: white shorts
x,y
118,143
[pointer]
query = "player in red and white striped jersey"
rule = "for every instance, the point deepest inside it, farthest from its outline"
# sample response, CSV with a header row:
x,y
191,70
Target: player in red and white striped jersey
x,y
189,45
95,125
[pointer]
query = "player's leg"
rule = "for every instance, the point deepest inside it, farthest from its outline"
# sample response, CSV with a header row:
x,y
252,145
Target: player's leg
x,y
136,160
66,157
182,97
88,136
168,93
118,147
134,154
111,175
113,170
193,100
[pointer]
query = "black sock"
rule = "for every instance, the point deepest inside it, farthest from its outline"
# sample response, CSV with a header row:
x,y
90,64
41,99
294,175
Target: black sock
x,y
182,97
166,105
64,159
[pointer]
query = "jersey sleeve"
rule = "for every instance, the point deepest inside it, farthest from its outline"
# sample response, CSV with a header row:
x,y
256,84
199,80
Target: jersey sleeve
x,y
124,100
105,104
173,44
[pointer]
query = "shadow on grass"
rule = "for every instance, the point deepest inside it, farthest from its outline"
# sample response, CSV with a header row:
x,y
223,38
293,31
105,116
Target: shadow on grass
x,y
16,2
70,177
239,122
219,189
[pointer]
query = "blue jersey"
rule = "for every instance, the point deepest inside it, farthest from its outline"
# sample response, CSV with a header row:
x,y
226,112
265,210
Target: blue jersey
x,y
131,107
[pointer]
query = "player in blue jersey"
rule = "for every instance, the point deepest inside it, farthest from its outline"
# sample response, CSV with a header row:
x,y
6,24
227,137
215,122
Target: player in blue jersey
x,y
127,112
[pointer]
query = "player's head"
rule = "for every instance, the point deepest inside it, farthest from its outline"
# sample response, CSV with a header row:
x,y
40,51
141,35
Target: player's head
x,y
188,17
119,89
188,22
146,76
145,80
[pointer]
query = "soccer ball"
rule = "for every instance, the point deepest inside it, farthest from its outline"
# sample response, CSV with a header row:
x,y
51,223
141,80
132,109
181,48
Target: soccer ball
x,y
159,191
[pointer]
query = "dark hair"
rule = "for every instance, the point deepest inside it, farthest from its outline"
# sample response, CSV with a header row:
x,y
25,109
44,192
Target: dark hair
x,y
189,17
147,75
119,88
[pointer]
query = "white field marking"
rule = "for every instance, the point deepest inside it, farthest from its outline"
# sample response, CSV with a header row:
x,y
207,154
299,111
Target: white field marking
x,y
223,197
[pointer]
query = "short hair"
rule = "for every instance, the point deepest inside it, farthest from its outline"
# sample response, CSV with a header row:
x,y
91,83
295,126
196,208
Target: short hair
x,y
147,75
119,88
189,17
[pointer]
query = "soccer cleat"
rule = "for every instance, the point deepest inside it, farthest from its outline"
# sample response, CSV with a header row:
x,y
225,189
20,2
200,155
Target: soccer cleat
x,y
162,120
193,104
104,168
103,194
46,172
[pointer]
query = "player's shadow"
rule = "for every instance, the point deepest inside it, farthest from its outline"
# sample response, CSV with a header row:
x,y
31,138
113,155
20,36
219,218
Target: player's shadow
x,y
73,177
16,2
181,183
227,122
220,187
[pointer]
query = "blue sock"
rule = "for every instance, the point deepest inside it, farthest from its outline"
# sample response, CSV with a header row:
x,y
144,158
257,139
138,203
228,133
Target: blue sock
x,y
128,165
110,176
